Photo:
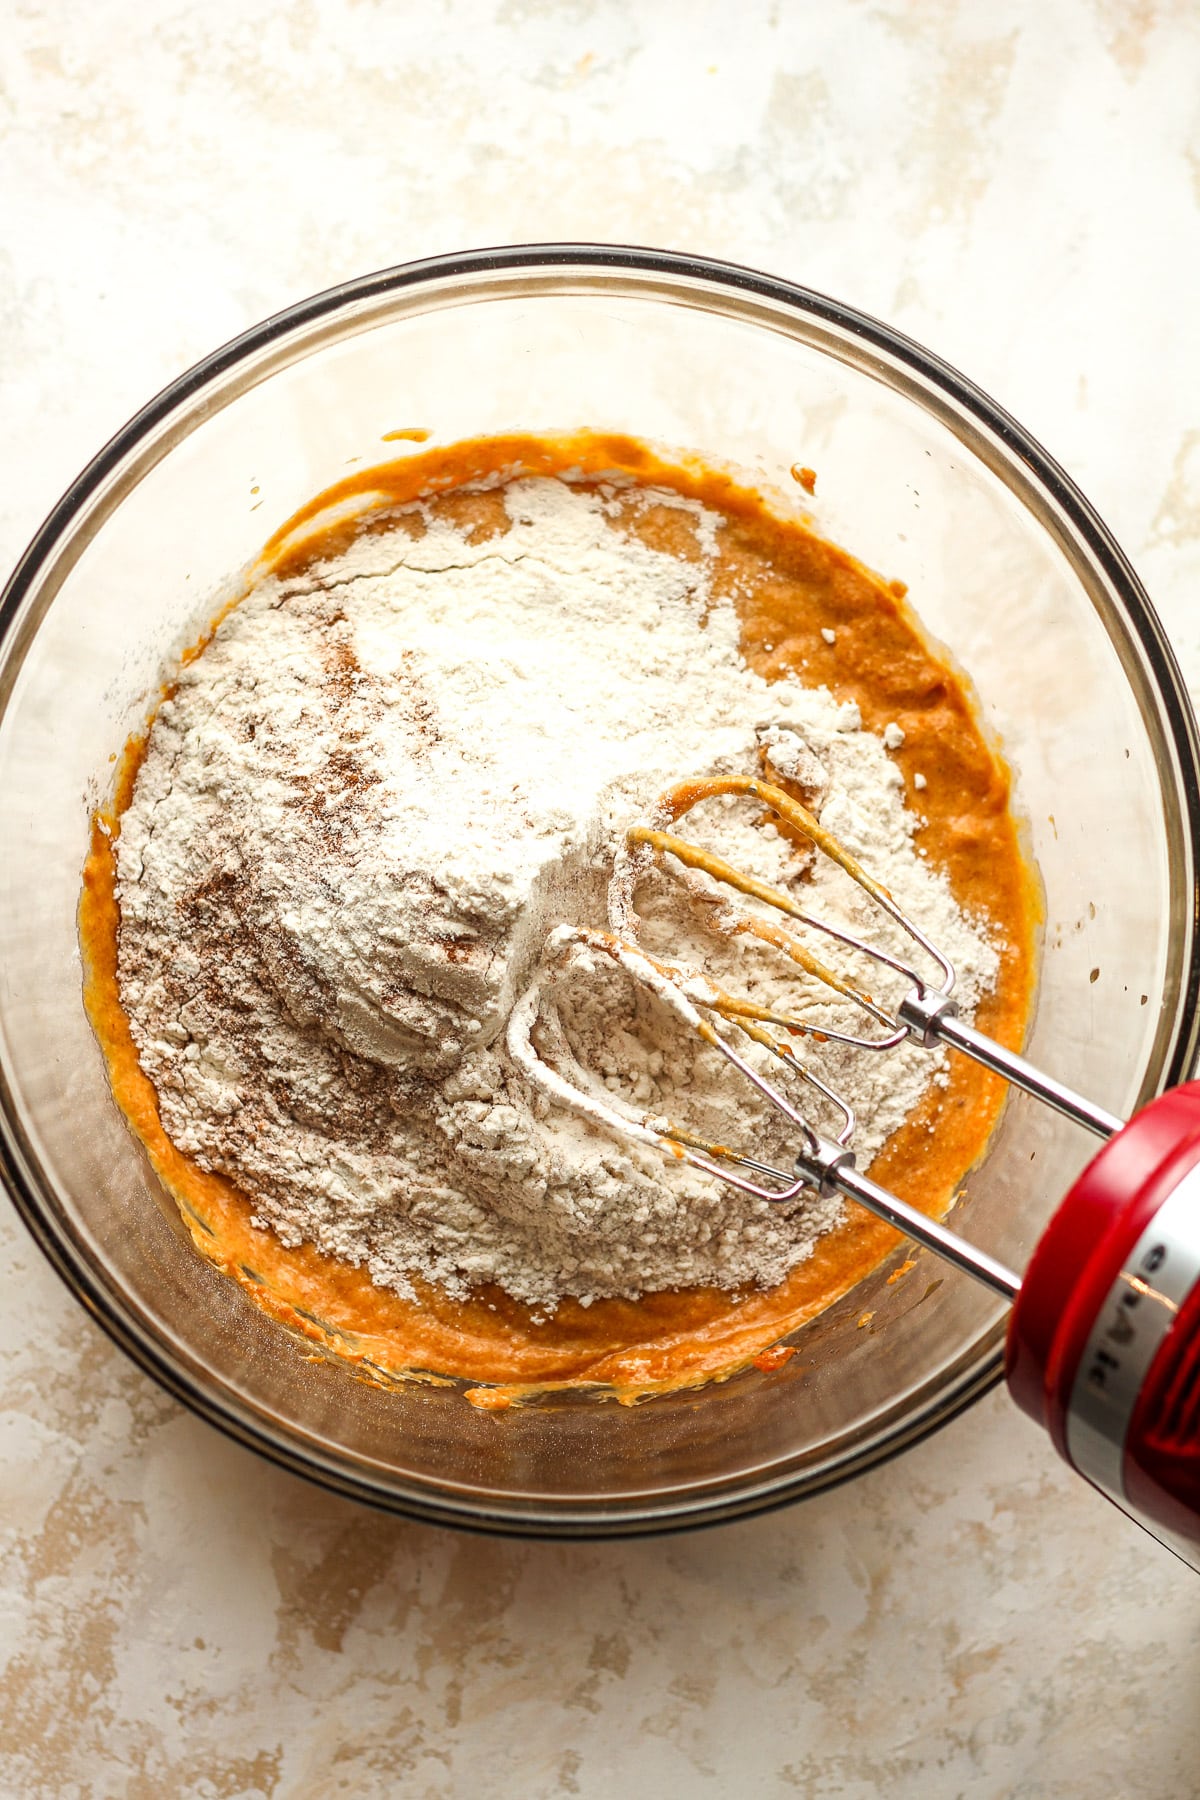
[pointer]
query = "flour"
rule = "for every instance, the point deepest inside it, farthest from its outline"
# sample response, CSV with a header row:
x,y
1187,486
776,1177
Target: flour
x,y
359,815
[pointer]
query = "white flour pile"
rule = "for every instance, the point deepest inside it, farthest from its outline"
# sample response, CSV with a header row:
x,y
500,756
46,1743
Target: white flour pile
x,y
358,816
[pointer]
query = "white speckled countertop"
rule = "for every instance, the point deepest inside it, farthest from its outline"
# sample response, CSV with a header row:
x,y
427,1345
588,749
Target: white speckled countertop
x,y
1016,184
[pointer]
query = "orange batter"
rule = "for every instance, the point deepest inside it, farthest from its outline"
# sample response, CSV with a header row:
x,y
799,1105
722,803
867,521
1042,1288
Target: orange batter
x,y
796,585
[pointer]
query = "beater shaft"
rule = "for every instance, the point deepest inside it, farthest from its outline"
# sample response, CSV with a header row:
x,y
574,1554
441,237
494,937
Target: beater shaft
x,y
961,1036
829,1166
924,1230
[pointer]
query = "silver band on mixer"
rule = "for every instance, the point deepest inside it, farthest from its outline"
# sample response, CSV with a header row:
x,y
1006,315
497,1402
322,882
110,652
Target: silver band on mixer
x,y
1138,1311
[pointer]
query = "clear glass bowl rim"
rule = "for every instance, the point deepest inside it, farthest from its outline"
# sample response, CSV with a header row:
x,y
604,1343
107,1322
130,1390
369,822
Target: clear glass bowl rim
x,y
689,273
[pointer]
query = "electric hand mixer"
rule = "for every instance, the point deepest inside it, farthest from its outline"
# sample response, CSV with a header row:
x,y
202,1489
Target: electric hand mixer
x,y
1103,1345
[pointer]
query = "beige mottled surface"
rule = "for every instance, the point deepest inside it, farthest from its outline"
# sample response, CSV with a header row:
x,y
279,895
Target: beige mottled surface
x,y
1016,184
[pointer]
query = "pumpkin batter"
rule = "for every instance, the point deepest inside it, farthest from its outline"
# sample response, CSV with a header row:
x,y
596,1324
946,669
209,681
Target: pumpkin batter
x,y
794,593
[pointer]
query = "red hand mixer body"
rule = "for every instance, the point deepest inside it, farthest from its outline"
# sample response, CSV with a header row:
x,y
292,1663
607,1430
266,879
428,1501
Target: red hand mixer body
x,y
1104,1338
1103,1345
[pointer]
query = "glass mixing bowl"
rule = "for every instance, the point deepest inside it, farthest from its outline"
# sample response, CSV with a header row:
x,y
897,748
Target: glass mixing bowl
x,y
922,477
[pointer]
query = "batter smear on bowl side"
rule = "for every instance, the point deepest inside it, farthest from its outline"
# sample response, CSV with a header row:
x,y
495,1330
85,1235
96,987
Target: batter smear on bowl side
x,y
409,752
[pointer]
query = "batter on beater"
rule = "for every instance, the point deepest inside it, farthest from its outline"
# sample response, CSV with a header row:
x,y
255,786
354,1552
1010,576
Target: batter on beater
x,y
410,750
